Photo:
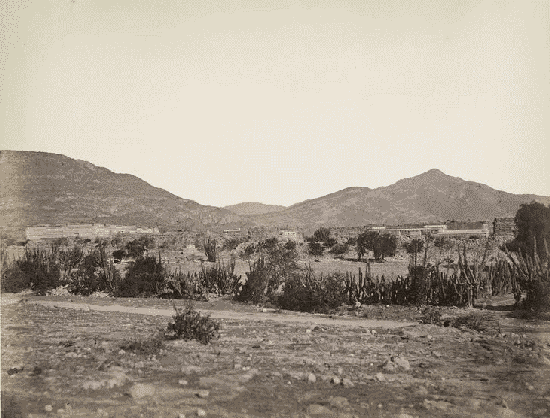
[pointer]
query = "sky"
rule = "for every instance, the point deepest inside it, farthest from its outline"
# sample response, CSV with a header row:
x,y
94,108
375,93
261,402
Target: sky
x,y
281,101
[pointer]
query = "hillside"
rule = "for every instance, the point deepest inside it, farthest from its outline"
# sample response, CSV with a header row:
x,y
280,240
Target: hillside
x,y
253,208
39,188
429,197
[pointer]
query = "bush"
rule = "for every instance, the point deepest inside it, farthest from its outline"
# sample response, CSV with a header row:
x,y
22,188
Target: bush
x,y
305,292
219,279
144,277
339,249
431,315
147,347
315,248
189,324
478,321
14,280
257,279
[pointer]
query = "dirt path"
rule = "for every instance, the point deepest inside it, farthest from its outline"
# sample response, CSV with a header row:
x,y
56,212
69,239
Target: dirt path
x,y
270,315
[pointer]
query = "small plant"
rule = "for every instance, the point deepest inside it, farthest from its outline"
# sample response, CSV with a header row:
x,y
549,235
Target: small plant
x,y
148,347
188,324
431,315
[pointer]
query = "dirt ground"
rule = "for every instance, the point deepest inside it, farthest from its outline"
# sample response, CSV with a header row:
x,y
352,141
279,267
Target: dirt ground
x,y
62,356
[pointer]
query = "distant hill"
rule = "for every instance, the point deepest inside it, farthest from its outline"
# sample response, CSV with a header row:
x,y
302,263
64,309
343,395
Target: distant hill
x,y
44,188
253,208
429,197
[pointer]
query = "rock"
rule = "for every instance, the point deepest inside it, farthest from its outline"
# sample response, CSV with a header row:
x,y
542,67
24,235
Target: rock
x,y
311,378
182,415
338,402
48,408
380,377
440,405
335,380
422,391
200,412
340,371
347,383
141,390
202,394
436,354
182,382
92,385
316,409
402,363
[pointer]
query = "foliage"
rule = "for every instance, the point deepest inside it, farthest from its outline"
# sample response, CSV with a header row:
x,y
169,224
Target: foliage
x,y
136,248
14,280
431,315
94,274
321,235
219,279
119,255
210,249
414,246
275,263
339,249
315,248
144,277
533,228
303,291
188,324
384,246
365,241
233,243
41,270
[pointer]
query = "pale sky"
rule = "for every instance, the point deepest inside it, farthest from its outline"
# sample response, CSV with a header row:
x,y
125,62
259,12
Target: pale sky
x,y
280,101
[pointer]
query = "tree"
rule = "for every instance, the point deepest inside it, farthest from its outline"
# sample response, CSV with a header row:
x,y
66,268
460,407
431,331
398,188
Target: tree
x,y
533,228
384,246
315,248
414,247
321,235
365,241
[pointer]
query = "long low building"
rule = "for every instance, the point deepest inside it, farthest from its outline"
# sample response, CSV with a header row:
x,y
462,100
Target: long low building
x,y
89,231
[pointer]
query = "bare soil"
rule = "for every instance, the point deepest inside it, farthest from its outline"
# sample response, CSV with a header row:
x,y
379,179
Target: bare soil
x,y
62,356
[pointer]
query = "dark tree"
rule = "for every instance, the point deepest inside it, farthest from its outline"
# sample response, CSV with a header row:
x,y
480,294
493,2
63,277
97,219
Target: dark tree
x,y
321,235
365,241
533,228
384,246
315,248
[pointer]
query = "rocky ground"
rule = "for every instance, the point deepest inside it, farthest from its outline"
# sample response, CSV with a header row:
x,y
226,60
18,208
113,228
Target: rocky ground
x,y
66,356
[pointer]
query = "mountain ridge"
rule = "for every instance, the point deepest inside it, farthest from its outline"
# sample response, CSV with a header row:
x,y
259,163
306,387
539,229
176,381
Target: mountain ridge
x,y
42,188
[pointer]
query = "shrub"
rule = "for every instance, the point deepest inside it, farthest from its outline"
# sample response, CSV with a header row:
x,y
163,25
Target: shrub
x,y
144,278
14,280
41,269
188,324
339,249
305,292
219,279
147,347
431,315
477,321
255,287
315,248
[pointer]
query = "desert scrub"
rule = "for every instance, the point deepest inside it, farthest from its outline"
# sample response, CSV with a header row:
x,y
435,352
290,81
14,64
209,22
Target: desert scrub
x,y
303,291
431,315
188,324
477,321
144,346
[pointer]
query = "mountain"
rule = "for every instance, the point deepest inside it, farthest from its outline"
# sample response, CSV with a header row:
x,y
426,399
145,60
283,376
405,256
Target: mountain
x,y
253,208
429,197
44,188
